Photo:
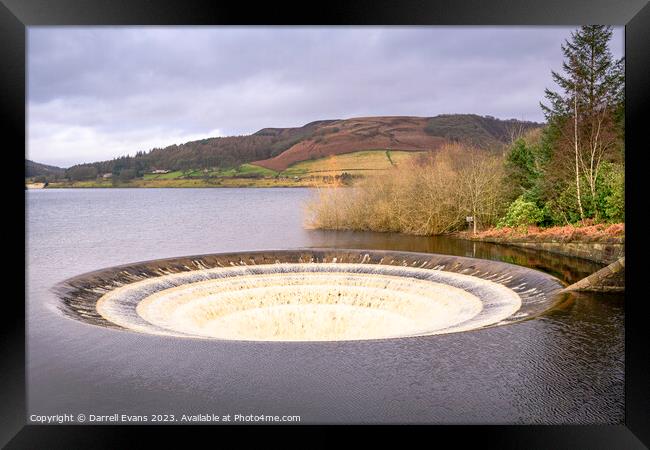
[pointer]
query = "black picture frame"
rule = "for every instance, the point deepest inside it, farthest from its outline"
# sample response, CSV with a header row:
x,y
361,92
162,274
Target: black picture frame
x,y
16,15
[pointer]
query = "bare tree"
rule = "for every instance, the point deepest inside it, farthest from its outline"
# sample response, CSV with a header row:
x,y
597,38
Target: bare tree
x,y
482,188
515,130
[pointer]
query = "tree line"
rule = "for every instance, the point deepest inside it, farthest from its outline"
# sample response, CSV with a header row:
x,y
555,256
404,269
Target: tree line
x,y
224,152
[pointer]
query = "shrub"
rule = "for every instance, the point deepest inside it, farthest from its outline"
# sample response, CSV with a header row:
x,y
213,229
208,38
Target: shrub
x,y
611,193
522,213
428,197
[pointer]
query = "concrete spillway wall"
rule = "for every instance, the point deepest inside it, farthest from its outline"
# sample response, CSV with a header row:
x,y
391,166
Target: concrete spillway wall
x,y
607,279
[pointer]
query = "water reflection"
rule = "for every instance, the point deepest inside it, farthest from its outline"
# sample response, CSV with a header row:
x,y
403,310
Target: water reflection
x,y
565,268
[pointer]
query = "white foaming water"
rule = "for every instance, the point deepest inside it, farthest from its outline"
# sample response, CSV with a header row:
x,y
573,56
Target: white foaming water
x,y
308,302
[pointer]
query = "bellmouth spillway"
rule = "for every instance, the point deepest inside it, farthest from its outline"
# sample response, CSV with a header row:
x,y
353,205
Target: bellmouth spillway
x,y
308,295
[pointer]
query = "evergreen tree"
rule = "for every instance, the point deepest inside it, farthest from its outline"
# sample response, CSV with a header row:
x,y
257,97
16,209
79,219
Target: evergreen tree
x,y
587,112
592,76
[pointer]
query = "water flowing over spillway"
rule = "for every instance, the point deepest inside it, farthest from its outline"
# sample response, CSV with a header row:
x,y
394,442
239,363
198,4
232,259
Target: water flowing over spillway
x,y
308,295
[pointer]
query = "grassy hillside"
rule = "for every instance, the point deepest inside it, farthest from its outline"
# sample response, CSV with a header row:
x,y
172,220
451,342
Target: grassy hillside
x,y
352,135
363,163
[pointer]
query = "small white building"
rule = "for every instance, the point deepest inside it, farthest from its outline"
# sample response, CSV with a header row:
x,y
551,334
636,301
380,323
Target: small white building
x,y
160,171
107,175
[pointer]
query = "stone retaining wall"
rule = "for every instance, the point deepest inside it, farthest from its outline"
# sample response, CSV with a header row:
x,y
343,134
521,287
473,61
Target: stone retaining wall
x,y
600,252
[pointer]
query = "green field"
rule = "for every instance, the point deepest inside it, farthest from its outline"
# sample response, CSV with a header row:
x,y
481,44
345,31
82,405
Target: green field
x,y
163,176
363,163
250,169
245,170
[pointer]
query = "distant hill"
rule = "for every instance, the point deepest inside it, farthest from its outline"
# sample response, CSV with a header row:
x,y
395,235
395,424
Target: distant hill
x,y
482,131
350,135
396,133
34,169
278,148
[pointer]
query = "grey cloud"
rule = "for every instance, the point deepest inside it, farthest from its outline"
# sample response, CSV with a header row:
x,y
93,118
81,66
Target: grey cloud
x,y
122,88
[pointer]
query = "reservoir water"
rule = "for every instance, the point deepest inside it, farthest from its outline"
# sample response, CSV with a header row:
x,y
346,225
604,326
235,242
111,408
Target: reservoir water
x,y
566,366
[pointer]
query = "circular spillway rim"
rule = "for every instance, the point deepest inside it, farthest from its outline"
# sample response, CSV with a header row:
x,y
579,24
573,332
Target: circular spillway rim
x,y
414,285
78,295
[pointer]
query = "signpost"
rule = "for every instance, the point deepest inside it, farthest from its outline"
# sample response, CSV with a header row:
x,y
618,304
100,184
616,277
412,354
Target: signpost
x,y
470,221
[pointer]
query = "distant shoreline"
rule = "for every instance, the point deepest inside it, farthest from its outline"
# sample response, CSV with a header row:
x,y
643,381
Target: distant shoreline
x,y
191,183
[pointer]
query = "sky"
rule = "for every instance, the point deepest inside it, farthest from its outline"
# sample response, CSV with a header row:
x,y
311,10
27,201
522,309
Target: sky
x,y
96,93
